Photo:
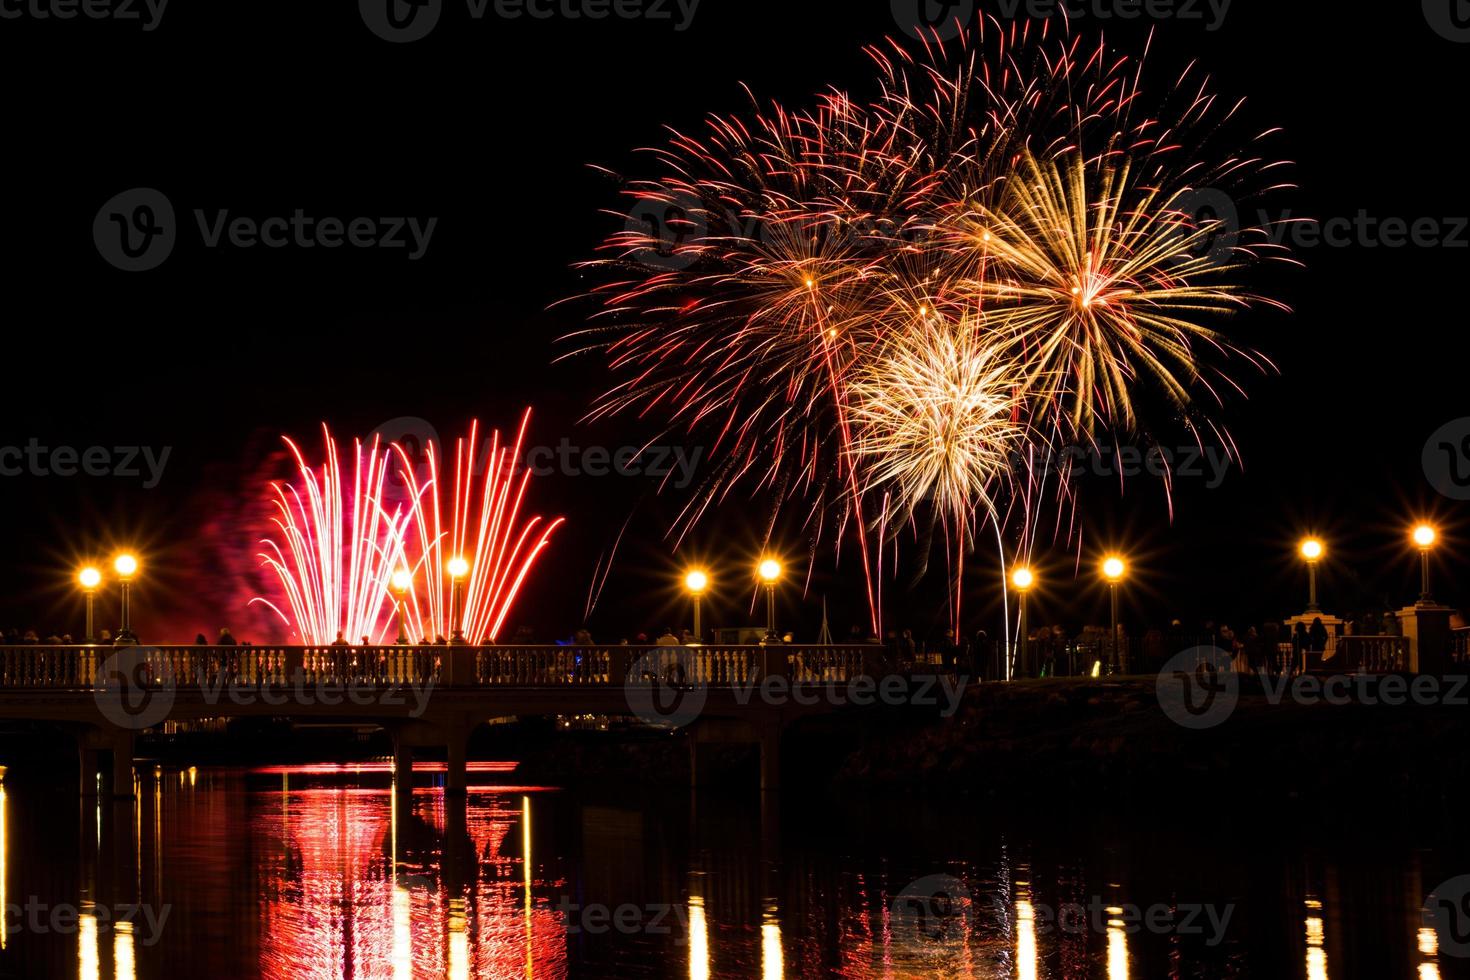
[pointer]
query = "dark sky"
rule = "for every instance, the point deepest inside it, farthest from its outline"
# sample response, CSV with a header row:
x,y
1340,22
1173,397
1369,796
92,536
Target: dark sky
x,y
489,126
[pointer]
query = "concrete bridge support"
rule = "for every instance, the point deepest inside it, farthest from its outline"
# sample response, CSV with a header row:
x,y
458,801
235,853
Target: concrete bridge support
x,y
107,753
765,734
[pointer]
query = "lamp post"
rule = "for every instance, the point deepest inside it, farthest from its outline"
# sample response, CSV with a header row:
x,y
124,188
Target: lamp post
x,y
696,581
402,579
1113,570
90,579
770,573
1312,550
458,569
1425,537
1023,579
126,566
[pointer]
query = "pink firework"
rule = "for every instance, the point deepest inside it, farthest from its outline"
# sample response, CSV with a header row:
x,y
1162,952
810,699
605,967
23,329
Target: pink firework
x,y
486,530
342,541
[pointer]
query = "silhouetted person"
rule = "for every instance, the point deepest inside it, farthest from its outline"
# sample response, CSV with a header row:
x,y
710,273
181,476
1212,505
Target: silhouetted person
x,y
340,641
200,641
226,638
1318,636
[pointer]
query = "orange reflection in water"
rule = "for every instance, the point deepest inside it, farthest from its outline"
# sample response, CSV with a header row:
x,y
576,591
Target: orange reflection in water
x,y
361,885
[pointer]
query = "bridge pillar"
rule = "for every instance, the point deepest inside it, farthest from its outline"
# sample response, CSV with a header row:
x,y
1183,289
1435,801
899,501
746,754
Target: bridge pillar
x,y
402,766
122,766
770,748
456,779
87,757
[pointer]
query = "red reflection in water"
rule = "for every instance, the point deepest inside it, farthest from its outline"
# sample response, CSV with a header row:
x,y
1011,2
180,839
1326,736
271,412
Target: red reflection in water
x,y
356,887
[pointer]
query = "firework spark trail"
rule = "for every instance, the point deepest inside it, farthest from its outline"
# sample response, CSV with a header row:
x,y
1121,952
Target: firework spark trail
x,y
1011,179
342,544
486,529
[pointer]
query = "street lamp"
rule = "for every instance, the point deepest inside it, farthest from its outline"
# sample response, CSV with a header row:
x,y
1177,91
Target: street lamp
x,y
126,566
1312,550
458,569
402,579
696,581
90,579
770,573
1425,537
1113,570
1022,578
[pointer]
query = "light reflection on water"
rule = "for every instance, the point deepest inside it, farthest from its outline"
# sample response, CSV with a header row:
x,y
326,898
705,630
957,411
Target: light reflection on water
x,y
325,873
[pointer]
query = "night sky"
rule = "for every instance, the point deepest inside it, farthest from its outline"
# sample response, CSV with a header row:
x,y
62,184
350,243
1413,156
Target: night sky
x,y
489,126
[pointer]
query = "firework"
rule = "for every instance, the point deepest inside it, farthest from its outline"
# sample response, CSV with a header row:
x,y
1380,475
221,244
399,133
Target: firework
x,y
485,529
935,416
339,546
868,301
341,543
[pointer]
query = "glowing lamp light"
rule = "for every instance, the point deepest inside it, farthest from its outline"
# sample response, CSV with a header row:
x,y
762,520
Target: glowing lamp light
x,y
125,565
770,570
1312,549
1425,536
1023,579
696,581
90,578
1113,569
403,578
458,568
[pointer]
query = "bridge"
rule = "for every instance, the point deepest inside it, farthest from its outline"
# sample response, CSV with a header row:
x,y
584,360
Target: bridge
x,y
429,697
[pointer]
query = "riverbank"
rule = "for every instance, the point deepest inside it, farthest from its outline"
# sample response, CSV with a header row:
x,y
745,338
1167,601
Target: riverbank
x,y
1060,739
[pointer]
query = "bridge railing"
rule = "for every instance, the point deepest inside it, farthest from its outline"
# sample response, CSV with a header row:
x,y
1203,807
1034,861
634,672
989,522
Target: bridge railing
x,y
1372,654
87,666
